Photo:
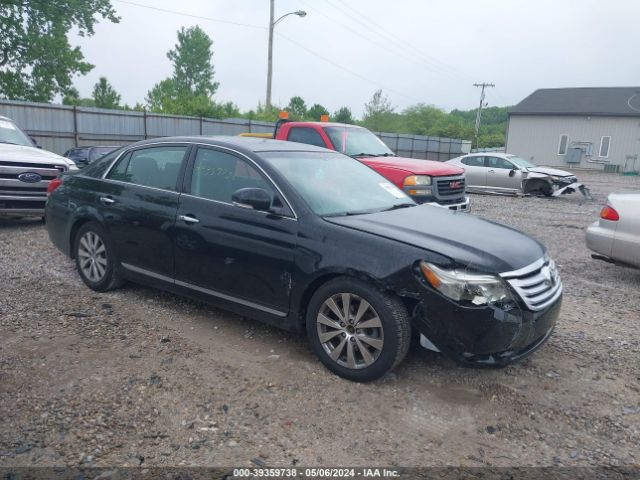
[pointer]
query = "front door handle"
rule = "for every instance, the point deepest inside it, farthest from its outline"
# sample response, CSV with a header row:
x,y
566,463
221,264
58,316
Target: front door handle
x,y
492,171
188,219
107,200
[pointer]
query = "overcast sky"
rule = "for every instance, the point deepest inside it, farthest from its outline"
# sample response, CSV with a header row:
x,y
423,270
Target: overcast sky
x,y
429,51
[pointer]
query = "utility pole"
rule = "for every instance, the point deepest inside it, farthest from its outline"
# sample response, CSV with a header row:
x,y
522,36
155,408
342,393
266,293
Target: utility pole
x,y
272,25
270,55
479,113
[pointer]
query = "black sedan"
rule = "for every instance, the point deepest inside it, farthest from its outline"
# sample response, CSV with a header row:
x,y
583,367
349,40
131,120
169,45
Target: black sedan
x,y
307,239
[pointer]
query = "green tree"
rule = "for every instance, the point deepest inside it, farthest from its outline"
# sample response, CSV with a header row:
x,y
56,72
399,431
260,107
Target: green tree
x,y
379,114
316,111
344,115
36,60
104,95
73,98
297,109
190,89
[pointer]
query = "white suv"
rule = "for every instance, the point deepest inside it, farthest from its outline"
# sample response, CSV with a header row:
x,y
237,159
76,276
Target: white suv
x,y
25,172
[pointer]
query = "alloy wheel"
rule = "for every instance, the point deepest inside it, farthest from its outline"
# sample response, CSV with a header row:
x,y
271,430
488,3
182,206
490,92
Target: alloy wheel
x,y
92,255
350,330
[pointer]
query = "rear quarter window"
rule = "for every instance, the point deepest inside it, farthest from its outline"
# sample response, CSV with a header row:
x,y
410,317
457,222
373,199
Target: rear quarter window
x,y
98,168
474,161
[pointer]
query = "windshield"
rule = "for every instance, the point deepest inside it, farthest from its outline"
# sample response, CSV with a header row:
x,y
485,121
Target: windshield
x,y
357,141
335,185
521,162
9,133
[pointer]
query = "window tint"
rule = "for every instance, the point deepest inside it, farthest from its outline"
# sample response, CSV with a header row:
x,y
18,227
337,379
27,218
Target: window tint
x,y
305,135
604,147
562,144
97,168
156,167
217,175
474,161
497,162
98,152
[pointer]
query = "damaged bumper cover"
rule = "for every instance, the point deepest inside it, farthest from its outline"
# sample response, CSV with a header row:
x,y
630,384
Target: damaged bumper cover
x,y
486,336
571,188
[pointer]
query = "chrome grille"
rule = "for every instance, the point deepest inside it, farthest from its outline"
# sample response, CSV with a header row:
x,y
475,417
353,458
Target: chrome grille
x,y
449,187
14,192
538,284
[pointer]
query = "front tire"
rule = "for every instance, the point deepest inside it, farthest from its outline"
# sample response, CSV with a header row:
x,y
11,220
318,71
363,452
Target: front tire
x,y
357,331
95,260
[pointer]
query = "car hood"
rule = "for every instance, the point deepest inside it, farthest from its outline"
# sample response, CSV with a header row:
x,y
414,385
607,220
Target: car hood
x,y
415,166
472,242
22,154
551,171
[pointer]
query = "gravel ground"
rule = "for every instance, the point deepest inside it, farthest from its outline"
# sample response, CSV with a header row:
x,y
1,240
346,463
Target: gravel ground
x,y
140,377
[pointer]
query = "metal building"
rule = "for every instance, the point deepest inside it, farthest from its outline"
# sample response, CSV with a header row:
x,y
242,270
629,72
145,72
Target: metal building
x,y
597,128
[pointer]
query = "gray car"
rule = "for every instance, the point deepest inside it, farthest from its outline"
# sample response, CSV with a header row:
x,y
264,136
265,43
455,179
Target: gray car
x,y
616,235
506,173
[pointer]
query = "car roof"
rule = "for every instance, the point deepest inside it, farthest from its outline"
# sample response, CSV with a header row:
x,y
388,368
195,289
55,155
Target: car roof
x,y
493,154
323,124
85,147
248,144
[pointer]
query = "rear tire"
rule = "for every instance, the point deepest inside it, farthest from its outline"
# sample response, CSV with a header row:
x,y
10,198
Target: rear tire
x,y
95,260
335,313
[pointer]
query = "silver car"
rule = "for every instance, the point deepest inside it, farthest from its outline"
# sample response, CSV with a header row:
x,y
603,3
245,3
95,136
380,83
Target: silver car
x,y
506,173
616,235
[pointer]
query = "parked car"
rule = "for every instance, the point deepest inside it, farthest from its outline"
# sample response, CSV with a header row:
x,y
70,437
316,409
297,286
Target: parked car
x,y
25,172
616,235
307,239
506,173
425,181
83,156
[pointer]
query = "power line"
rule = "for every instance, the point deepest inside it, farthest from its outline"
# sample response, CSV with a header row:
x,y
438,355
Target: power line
x,y
328,60
200,17
299,45
405,45
396,51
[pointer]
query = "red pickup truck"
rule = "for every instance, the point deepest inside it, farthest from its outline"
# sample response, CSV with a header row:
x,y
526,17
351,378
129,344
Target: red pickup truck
x,y
425,181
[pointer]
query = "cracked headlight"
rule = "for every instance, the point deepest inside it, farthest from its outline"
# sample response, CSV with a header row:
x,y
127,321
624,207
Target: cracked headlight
x,y
474,288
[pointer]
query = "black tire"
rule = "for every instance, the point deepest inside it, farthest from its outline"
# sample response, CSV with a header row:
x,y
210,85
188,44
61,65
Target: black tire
x,y
547,190
394,330
110,278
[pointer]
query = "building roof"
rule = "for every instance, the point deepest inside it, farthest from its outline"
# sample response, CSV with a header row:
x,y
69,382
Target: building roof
x,y
603,101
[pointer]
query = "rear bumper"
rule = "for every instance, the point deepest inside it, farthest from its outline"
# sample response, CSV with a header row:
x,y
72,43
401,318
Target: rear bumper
x,y
599,239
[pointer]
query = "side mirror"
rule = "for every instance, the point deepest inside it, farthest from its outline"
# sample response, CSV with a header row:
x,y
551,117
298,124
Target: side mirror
x,y
255,198
512,172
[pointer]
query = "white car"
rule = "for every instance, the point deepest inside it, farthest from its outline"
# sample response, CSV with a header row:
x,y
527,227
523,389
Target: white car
x,y
506,173
616,235
25,172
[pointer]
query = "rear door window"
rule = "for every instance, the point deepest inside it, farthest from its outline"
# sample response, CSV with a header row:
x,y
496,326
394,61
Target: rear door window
x,y
305,135
157,167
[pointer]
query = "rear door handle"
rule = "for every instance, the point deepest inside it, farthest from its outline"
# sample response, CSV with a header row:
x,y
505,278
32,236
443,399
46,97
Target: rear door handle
x,y
107,200
492,171
188,219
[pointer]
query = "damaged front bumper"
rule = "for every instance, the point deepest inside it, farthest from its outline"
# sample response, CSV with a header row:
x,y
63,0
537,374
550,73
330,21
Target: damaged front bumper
x,y
485,336
562,189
